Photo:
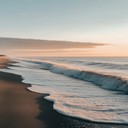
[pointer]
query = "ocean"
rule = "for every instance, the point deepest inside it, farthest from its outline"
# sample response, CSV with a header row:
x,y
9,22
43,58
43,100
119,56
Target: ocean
x,y
94,89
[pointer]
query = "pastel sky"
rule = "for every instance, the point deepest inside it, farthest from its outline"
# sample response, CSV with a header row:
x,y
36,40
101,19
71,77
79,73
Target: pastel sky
x,y
103,21
28,47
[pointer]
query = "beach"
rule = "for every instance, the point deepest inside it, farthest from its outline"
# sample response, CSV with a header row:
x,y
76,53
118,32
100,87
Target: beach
x,y
21,108
64,64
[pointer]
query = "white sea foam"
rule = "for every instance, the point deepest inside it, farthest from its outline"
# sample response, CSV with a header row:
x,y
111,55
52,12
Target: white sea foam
x,y
76,97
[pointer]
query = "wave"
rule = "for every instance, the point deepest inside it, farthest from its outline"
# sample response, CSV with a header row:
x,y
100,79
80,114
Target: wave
x,y
109,65
105,81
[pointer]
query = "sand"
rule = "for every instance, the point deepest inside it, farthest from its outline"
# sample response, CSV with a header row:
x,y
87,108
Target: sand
x,y
4,61
18,107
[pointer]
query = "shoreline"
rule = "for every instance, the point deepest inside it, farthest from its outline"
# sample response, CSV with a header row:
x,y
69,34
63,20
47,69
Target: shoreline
x,y
44,116
23,108
18,107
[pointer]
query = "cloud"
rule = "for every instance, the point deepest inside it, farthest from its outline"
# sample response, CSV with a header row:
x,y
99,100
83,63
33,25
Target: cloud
x,y
15,43
32,47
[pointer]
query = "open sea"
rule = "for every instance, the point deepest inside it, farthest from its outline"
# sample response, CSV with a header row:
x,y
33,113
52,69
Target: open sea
x,y
94,89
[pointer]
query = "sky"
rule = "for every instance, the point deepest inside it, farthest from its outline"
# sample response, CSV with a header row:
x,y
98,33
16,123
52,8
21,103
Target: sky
x,y
75,20
98,21
15,47
31,47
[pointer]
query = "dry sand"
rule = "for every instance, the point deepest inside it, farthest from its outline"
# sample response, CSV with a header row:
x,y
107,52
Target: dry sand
x,y
4,61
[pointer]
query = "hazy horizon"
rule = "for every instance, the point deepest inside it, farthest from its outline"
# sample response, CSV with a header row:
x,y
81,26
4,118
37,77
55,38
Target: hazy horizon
x,y
51,48
32,47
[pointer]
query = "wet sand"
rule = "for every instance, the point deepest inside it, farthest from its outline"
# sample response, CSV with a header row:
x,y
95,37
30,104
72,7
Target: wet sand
x,y
18,107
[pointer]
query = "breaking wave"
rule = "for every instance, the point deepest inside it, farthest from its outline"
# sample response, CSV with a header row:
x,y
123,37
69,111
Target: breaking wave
x,y
111,82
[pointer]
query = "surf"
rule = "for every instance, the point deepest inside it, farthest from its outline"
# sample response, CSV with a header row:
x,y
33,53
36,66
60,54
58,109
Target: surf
x,y
106,81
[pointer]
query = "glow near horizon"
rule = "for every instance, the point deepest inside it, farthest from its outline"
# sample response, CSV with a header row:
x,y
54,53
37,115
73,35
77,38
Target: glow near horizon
x,y
76,20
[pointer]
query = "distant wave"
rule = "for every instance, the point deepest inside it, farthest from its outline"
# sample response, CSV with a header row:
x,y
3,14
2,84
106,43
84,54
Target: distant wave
x,y
101,64
105,81
109,65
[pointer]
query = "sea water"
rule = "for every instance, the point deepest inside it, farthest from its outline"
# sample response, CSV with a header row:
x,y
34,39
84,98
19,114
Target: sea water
x,y
92,89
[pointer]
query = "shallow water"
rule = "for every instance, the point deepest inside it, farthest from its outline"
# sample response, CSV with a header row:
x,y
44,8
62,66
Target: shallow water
x,y
88,88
